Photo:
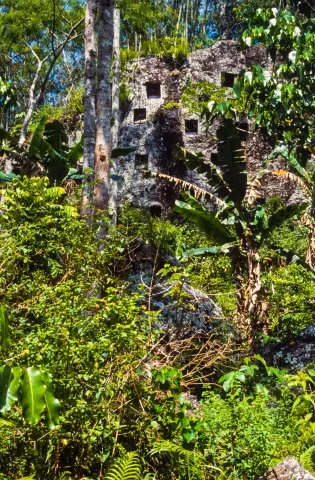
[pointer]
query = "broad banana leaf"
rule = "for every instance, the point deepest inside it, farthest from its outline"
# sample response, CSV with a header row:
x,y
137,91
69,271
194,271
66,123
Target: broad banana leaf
x,y
282,215
193,202
56,136
9,387
35,147
75,153
207,221
231,158
7,177
32,392
52,404
202,251
199,163
4,330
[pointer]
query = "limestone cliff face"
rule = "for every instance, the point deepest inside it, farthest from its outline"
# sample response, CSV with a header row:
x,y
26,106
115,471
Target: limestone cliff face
x,y
155,121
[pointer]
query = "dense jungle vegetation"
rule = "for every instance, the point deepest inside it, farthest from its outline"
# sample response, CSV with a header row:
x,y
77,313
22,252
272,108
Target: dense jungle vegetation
x,y
96,379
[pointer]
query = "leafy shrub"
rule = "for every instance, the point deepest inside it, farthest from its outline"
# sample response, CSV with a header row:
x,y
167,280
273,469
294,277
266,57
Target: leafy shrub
x,y
197,95
291,292
244,435
214,276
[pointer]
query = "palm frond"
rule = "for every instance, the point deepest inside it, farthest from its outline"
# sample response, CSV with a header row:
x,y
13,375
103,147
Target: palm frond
x,y
307,459
198,191
127,467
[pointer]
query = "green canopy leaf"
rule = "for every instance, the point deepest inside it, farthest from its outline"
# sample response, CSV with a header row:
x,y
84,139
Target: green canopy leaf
x,y
4,330
207,221
9,386
52,404
32,390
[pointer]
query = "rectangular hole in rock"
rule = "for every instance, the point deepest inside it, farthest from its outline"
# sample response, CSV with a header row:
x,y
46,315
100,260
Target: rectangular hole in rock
x,y
227,79
153,90
139,115
191,127
142,161
243,131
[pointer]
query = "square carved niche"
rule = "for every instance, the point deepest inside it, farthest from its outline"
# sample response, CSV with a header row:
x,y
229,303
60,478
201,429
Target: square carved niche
x,y
227,79
191,127
139,115
153,90
142,161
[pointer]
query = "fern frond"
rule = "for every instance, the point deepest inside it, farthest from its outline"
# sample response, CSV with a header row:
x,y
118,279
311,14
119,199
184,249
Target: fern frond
x,y
127,467
293,178
192,461
307,459
5,423
198,192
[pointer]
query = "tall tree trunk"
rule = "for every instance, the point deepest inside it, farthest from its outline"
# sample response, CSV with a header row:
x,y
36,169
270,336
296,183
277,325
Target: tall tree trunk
x,y
255,292
89,102
103,104
115,113
250,291
224,23
310,223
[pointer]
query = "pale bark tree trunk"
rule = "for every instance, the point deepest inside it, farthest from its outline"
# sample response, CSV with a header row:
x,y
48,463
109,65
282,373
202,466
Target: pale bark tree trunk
x,y
115,114
89,102
103,104
225,28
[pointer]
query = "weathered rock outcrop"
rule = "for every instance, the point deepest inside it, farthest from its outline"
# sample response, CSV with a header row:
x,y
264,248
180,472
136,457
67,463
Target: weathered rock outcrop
x,y
289,469
155,121
182,314
295,354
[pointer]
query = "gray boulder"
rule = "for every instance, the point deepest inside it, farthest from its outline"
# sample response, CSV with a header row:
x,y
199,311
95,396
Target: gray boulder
x,y
288,469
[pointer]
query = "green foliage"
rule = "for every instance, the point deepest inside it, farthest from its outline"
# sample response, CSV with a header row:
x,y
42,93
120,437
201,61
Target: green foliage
x,y
291,291
251,433
214,276
169,48
126,468
185,462
49,146
282,101
197,95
